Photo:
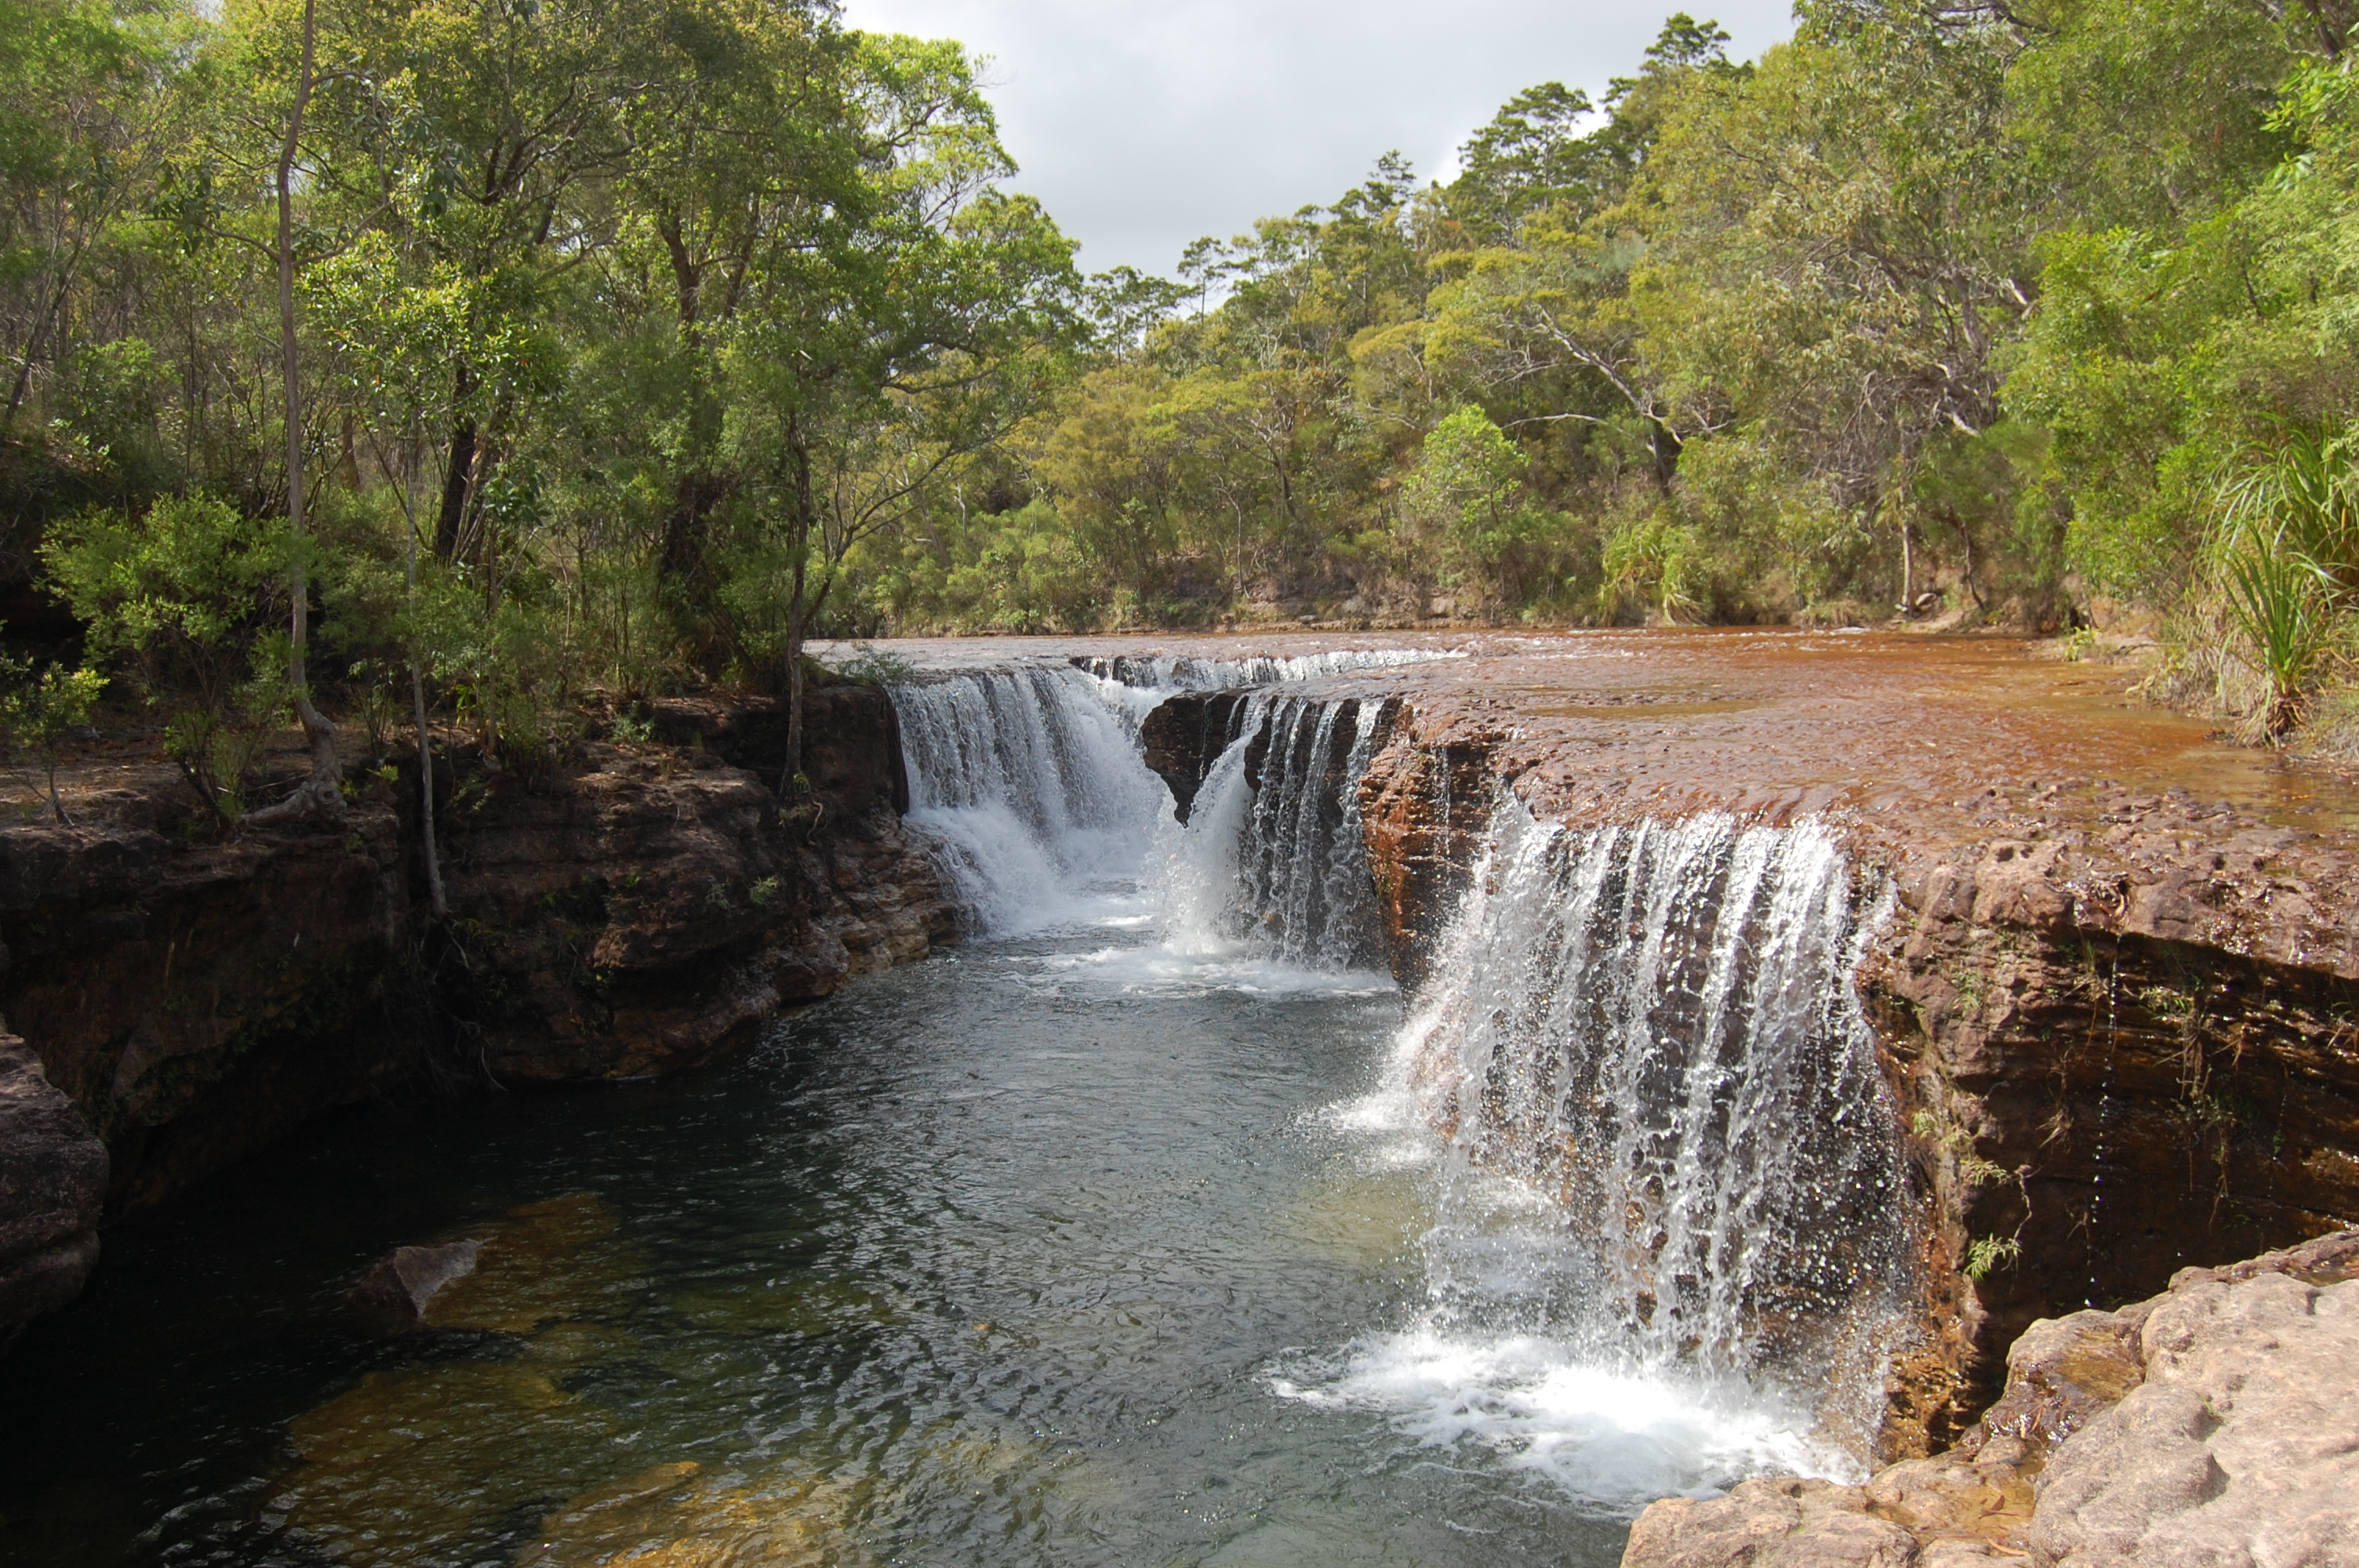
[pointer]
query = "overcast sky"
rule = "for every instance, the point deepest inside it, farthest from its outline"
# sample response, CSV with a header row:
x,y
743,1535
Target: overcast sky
x,y
1144,125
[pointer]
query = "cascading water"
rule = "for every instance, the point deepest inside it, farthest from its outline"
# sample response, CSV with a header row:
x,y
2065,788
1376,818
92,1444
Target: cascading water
x,y
1028,784
1172,672
1669,1235
1272,861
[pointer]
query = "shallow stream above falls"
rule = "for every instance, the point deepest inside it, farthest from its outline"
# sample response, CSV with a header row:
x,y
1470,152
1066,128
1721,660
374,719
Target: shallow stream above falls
x,y
1151,1226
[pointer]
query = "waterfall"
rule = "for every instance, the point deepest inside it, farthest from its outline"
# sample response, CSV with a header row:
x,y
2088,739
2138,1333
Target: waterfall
x,y
1271,862
1670,1237
1028,785
1171,672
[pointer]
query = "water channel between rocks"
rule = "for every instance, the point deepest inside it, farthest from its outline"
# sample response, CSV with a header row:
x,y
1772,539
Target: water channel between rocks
x,y
1151,1226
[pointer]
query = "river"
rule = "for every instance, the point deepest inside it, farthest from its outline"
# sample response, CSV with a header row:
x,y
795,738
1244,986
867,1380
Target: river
x,y
1131,1231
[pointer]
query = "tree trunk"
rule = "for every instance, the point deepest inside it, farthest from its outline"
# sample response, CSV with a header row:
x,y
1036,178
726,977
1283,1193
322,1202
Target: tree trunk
x,y
327,772
426,792
456,480
1663,446
790,772
425,750
1907,573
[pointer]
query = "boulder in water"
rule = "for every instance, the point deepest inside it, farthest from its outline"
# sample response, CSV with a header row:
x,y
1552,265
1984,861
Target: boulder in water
x,y
405,1279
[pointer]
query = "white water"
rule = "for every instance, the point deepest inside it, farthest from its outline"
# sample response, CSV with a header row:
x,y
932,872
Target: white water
x,y
1028,784
1271,863
1162,672
1638,1091
1669,1238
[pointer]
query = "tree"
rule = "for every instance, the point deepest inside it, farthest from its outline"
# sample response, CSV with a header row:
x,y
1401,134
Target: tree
x,y
326,771
911,326
191,597
40,705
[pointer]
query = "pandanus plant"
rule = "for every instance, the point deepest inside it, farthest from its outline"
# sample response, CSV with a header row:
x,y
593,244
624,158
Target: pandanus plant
x,y
2288,557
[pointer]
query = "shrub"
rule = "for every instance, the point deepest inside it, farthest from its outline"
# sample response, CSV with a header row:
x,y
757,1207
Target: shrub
x,y
191,600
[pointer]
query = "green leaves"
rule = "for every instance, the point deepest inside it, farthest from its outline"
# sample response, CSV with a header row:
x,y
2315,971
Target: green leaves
x,y
192,596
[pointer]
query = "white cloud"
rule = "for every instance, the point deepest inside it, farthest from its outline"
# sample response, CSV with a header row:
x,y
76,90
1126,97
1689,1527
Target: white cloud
x,y
1144,125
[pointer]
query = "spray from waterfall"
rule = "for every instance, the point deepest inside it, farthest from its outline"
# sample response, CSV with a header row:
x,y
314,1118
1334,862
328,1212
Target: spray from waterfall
x,y
1669,1235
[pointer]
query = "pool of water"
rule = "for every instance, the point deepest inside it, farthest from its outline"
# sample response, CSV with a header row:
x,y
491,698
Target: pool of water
x,y
1060,1251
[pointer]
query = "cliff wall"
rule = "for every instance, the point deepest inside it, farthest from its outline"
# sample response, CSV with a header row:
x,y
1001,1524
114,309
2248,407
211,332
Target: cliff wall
x,y
178,1002
2119,1029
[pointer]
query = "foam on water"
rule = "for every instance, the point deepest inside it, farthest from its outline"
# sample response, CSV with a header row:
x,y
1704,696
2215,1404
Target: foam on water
x,y
1165,968
1161,673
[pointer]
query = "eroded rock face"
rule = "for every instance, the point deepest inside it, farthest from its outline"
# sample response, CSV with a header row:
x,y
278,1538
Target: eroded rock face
x,y
2241,1446
1185,735
194,1002
2216,1424
52,1190
645,913
1423,811
1780,1523
2103,1104
628,911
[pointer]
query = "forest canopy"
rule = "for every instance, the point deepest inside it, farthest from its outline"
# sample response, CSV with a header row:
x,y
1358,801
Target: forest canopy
x,y
500,357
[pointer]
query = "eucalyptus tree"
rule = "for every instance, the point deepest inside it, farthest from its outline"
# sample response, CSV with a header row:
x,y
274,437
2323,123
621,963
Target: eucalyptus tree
x,y
913,323
1835,256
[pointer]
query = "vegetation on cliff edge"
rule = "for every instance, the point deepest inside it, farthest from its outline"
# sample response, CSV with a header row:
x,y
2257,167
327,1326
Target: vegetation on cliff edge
x,y
626,343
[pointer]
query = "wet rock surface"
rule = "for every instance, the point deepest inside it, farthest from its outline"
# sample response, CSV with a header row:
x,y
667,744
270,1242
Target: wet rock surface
x,y
2215,1424
1185,735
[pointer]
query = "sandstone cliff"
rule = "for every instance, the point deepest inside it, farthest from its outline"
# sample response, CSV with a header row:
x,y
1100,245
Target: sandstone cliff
x,y
2217,1423
183,1000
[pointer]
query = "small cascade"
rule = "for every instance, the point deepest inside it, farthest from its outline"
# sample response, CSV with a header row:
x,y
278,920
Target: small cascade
x,y
1272,863
1670,1234
1657,1031
1167,671
1029,785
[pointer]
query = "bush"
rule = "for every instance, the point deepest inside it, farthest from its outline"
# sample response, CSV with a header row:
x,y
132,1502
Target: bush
x,y
191,599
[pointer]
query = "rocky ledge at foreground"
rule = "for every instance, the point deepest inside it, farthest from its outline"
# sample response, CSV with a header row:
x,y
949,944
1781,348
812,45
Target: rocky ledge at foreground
x,y
179,1000
2216,1424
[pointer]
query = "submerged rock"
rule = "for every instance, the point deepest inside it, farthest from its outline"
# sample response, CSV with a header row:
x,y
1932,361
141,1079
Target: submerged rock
x,y
2217,1423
